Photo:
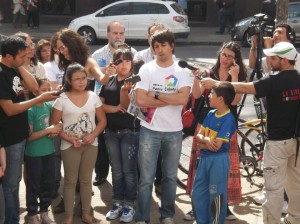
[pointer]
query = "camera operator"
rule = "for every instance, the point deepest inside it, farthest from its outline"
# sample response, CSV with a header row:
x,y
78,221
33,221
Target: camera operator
x,y
282,32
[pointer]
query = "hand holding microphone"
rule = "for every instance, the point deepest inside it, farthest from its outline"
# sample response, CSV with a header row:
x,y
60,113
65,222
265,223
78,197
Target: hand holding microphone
x,y
196,71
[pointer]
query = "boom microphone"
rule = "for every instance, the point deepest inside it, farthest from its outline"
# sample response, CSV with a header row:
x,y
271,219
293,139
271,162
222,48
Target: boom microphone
x,y
184,64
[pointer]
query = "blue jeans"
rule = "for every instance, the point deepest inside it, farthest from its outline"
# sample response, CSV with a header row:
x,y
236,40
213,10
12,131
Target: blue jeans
x,y
11,181
122,149
150,144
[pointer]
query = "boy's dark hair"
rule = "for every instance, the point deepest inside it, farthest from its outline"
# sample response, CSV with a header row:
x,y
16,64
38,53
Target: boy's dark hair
x,y
12,45
226,90
162,37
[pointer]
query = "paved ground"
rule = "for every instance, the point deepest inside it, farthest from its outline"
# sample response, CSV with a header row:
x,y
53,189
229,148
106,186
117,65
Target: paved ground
x,y
246,211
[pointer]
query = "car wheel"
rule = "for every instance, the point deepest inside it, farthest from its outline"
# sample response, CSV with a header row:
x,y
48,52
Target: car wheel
x,y
247,39
88,35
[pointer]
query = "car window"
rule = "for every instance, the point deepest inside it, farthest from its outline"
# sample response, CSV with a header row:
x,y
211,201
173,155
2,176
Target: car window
x,y
116,10
177,8
148,8
294,11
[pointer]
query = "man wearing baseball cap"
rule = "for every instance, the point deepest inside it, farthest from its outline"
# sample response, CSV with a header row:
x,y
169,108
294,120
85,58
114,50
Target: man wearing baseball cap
x,y
281,170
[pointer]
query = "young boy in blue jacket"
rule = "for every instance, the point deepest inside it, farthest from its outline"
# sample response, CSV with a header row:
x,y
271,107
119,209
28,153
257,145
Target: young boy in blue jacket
x,y
209,194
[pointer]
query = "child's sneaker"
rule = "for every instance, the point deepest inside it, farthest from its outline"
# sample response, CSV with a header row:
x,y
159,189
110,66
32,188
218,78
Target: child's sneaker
x,y
115,211
189,216
34,219
45,218
128,213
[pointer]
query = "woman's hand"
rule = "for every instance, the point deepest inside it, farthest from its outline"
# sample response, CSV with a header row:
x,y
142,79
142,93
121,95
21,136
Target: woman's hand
x,y
234,71
127,86
89,139
119,108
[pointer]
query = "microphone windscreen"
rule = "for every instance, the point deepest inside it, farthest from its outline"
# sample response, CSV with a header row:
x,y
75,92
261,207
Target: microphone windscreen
x,y
183,64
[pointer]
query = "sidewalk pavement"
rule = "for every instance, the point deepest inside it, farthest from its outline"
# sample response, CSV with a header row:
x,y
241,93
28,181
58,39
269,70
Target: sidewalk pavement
x,y
199,35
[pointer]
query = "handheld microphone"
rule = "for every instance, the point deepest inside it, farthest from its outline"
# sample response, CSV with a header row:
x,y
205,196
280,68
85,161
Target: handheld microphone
x,y
184,64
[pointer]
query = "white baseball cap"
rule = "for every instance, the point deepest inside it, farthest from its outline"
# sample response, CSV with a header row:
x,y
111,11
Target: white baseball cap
x,y
283,50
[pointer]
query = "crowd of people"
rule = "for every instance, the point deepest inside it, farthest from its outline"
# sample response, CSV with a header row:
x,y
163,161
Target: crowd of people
x,y
70,107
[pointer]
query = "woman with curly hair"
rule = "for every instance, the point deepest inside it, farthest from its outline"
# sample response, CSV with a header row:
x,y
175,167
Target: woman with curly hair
x,y
229,67
72,48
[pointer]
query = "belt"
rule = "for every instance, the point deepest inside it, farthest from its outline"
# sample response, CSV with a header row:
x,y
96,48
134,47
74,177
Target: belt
x,y
121,131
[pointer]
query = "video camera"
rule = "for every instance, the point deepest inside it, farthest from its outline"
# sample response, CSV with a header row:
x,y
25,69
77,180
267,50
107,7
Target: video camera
x,y
260,25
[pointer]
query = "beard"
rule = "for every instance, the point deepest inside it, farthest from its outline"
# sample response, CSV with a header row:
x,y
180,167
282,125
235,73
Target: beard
x,y
116,44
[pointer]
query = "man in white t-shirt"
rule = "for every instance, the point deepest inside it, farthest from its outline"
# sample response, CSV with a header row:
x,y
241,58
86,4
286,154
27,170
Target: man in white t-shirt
x,y
166,87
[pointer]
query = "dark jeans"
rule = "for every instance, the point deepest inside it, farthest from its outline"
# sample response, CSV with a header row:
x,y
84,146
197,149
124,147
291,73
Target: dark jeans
x,y
40,183
11,181
57,164
102,162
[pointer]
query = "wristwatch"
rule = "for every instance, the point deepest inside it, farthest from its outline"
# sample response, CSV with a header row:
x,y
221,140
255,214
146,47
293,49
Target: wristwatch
x,y
156,95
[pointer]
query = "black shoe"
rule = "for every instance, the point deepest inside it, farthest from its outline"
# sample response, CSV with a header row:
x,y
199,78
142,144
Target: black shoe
x,y
60,208
98,181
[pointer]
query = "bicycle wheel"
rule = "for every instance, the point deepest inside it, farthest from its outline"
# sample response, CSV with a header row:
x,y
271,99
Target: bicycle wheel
x,y
248,166
184,162
257,139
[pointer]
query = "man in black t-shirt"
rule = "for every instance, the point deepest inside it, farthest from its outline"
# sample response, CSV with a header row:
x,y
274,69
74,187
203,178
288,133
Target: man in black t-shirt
x,y
281,170
13,118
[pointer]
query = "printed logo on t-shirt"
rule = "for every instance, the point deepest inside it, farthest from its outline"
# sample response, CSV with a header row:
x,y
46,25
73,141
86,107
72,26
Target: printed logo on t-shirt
x,y
80,129
17,86
291,95
43,121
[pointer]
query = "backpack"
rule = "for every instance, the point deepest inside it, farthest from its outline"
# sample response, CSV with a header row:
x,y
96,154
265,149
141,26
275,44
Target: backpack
x,y
194,111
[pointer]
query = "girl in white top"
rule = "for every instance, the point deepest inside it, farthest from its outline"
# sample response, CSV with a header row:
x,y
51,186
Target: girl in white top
x,y
77,109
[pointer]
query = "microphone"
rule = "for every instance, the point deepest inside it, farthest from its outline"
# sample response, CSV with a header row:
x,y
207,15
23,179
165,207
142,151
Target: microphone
x,y
184,64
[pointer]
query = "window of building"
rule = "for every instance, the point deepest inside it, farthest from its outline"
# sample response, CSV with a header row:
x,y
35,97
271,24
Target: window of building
x,y
58,7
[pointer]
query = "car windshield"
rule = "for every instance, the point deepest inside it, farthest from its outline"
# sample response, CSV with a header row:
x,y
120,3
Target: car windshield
x,y
177,8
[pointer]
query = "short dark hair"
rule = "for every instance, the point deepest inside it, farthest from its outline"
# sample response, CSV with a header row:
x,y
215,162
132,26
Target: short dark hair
x,y
163,36
226,90
71,69
12,45
290,32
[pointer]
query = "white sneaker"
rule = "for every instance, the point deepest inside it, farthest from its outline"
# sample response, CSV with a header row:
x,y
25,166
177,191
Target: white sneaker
x,y
167,221
285,207
45,218
284,221
34,219
260,199
115,212
189,216
128,213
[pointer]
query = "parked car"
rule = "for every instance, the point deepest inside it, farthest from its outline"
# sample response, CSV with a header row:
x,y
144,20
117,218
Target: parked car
x,y
240,32
136,15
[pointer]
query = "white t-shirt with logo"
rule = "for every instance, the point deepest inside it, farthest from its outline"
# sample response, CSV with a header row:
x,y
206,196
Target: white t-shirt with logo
x,y
77,121
164,80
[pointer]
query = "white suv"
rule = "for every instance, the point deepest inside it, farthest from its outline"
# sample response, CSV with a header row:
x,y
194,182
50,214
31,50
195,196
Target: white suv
x,y
136,15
